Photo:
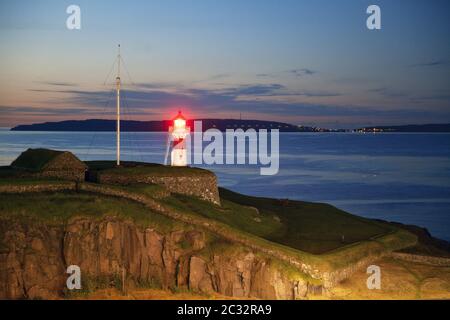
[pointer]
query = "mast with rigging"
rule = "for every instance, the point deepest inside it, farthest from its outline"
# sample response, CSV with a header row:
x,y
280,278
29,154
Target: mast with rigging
x,y
118,108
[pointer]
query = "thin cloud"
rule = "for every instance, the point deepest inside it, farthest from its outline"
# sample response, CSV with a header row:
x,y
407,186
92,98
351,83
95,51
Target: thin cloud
x,y
211,101
302,72
388,92
432,63
59,83
254,90
156,85
91,104
214,78
436,97
155,99
220,76
312,94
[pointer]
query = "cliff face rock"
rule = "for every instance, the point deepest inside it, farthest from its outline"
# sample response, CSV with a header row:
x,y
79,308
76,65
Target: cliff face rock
x,y
245,276
30,261
34,257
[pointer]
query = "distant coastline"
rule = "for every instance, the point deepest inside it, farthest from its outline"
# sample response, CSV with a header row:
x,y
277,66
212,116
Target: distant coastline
x,y
159,126
408,128
102,125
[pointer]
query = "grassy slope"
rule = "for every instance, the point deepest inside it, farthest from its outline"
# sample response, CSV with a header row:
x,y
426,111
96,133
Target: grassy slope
x,y
55,208
427,244
322,251
399,280
311,227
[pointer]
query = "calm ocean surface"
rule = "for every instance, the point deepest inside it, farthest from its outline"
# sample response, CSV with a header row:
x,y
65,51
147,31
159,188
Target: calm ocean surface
x,y
396,177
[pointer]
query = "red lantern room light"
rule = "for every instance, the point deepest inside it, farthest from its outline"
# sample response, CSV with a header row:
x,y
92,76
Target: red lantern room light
x,y
179,122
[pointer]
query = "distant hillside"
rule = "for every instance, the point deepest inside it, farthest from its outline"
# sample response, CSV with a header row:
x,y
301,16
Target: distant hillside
x,y
156,126
409,128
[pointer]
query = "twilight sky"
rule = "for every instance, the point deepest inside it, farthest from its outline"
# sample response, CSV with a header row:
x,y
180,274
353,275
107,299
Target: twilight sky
x,y
309,62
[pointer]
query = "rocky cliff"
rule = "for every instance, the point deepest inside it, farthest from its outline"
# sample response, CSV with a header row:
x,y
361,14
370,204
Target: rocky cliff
x,y
34,256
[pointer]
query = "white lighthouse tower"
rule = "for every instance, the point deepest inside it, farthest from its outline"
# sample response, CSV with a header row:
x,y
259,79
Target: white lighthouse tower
x,y
177,137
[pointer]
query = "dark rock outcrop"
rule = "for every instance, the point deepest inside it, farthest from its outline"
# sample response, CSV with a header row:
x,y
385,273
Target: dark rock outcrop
x,y
34,257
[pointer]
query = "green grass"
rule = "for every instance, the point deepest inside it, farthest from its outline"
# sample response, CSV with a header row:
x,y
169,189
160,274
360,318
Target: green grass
x,y
240,217
315,250
427,245
56,208
139,169
311,227
396,239
153,191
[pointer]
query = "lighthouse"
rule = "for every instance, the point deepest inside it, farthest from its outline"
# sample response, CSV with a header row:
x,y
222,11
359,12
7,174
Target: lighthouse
x,y
177,137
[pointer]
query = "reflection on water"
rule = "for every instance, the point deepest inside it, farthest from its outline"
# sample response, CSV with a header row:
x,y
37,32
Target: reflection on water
x,y
402,177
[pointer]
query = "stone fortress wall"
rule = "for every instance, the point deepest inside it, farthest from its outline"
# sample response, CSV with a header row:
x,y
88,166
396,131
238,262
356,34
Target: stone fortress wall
x,y
203,186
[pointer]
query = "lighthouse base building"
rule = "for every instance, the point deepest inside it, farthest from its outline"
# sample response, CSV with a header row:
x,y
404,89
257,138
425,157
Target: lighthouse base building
x,y
179,157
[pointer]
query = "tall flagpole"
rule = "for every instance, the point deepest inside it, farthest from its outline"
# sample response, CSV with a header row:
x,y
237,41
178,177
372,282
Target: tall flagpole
x,y
118,107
